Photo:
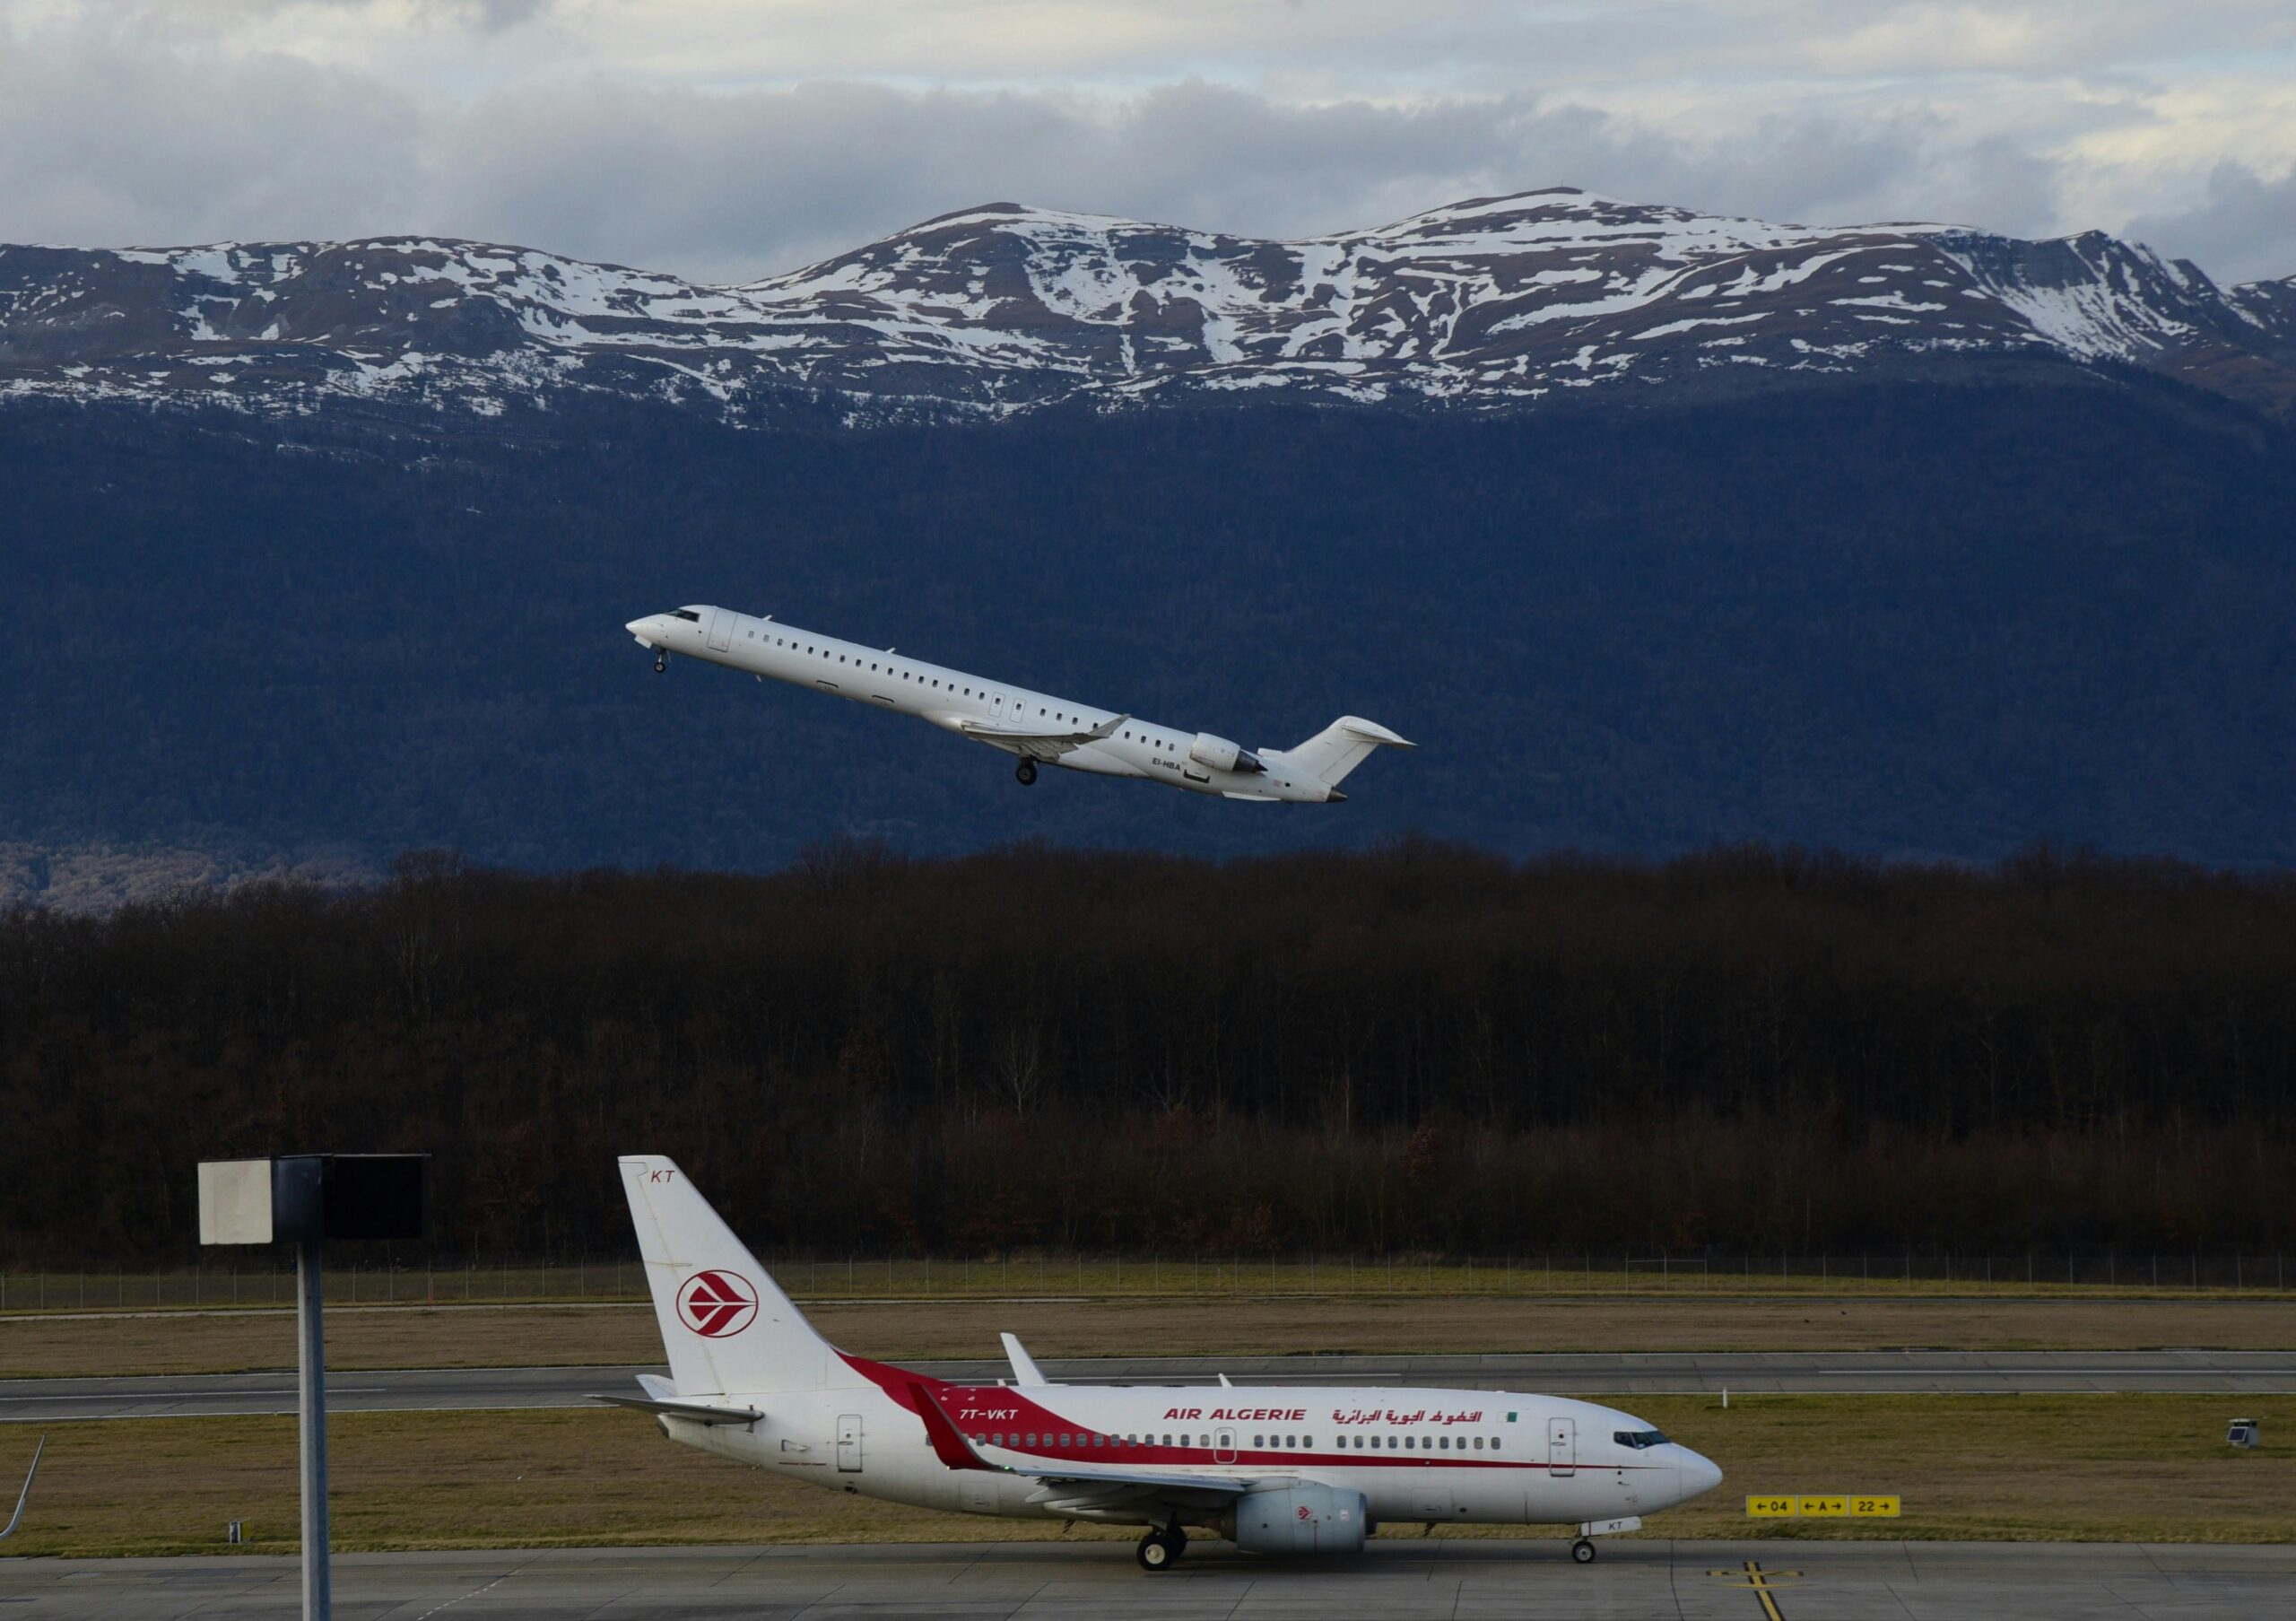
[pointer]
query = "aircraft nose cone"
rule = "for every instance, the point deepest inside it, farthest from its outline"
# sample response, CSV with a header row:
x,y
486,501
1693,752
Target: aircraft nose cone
x,y
1699,1475
636,627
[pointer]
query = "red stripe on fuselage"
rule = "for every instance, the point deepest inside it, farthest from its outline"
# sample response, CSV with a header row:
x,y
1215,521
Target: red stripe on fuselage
x,y
961,1404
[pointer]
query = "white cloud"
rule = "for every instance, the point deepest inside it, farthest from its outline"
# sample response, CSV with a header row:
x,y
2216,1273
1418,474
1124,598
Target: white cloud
x,y
735,138
2244,230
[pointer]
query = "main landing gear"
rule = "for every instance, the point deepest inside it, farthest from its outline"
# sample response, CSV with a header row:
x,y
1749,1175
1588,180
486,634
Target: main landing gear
x,y
1582,1551
1159,1550
1026,772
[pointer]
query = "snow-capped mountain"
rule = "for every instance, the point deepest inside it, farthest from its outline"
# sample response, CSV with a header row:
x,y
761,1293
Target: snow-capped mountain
x,y
1501,302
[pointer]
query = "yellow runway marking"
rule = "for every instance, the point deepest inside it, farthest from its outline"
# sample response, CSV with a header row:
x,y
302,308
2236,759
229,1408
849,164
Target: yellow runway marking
x,y
1760,1579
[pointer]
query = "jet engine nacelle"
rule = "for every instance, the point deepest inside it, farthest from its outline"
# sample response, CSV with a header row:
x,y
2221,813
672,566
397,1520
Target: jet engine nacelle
x,y
1222,755
1301,1519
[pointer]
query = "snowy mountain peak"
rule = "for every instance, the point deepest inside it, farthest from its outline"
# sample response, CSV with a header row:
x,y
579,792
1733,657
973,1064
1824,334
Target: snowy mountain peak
x,y
1501,302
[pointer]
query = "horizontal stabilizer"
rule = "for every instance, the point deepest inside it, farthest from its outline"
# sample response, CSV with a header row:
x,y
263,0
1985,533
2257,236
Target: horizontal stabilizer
x,y
695,1411
1339,748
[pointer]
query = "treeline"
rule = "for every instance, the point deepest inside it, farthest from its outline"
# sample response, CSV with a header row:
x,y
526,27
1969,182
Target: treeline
x,y
1421,1047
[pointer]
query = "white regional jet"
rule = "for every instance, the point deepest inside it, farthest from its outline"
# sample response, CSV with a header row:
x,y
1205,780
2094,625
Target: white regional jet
x,y
1273,1470
1036,726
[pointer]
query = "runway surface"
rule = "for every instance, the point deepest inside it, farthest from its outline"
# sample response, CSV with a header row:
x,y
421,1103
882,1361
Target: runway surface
x,y
2227,1373
1395,1580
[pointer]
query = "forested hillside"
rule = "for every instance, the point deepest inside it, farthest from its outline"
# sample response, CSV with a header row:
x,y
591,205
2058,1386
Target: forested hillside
x,y
1893,618
1422,1046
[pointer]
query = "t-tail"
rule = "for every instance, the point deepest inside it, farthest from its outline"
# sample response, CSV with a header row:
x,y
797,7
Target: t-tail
x,y
1339,748
727,1326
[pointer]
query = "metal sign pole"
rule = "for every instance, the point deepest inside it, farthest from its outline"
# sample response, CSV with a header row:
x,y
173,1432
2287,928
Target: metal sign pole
x,y
311,1391
303,1199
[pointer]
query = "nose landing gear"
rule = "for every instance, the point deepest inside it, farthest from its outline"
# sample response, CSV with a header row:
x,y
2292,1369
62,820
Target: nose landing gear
x,y
661,659
1583,1551
1026,772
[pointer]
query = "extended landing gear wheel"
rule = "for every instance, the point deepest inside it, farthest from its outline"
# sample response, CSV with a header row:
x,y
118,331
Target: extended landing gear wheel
x,y
1582,1551
1026,772
661,661
1158,1550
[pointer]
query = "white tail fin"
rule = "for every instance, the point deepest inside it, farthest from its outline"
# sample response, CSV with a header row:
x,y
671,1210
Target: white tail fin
x,y
729,1330
1340,747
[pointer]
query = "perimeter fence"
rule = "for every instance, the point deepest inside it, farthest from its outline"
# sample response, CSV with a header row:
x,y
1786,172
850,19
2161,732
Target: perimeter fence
x,y
251,1282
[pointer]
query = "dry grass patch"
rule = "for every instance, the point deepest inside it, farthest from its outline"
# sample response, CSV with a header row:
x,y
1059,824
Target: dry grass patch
x,y
512,1336
2106,1468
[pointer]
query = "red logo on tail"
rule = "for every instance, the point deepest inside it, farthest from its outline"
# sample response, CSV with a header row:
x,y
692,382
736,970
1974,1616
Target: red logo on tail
x,y
717,1303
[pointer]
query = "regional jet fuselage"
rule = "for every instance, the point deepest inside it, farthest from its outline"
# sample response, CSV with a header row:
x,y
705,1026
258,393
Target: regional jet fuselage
x,y
1289,1469
1036,727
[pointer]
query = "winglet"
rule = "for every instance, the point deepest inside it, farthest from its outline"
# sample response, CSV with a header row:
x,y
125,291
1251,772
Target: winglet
x,y
949,1442
1225,1383
1026,1371
25,1496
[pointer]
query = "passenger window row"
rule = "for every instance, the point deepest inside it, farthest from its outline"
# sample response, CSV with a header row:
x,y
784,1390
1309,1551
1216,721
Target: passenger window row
x,y
1409,1444
809,648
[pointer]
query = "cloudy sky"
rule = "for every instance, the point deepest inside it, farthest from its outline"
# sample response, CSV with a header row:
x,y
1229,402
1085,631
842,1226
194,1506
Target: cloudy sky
x,y
725,139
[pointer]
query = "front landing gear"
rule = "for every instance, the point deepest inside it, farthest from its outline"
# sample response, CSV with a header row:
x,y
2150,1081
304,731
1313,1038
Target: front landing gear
x,y
1026,772
1582,1551
1160,1550
661,659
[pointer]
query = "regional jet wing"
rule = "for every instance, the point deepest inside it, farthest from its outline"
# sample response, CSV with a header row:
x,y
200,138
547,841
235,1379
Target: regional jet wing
x,y
1036,745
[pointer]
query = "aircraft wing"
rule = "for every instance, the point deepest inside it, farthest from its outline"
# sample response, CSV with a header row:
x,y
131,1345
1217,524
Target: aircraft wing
x,y
1039,745
1061,1486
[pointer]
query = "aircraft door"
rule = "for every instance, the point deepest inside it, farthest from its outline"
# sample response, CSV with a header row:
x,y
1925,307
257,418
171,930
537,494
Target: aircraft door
x,y
849,1442
996,705
1223,1446
1562,1448
721,630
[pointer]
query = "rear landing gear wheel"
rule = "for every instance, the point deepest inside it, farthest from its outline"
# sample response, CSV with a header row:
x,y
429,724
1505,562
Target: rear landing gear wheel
x,y
1583,1551
1158,1550
1026,772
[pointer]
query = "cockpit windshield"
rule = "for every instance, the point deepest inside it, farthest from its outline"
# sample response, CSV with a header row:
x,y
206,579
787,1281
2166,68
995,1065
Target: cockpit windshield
x,y
685,613
1638,1439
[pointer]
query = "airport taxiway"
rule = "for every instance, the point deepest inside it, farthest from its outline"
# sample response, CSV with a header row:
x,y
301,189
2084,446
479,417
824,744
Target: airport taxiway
x,y
1395,1578
1864,1373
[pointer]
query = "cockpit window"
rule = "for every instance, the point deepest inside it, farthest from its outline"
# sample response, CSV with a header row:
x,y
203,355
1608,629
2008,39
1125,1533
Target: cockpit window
x,y
685,613
1638,1439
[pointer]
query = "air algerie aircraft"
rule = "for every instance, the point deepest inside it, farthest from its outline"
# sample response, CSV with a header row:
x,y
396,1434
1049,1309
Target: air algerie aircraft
x,y
1038,726
1273,1470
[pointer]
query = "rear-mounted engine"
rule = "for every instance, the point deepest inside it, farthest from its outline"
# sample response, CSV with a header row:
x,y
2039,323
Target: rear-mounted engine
x,y
1221,755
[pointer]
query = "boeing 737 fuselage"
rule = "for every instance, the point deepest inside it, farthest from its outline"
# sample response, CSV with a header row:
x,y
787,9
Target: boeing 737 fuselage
x,y
1036,727
1290,1470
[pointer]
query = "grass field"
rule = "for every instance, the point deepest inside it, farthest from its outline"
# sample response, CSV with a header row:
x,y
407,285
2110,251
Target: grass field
x,y
2078,1467
265,1279
34,1346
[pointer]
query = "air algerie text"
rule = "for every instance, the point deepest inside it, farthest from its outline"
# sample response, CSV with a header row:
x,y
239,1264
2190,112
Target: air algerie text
x,y
1240,1415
